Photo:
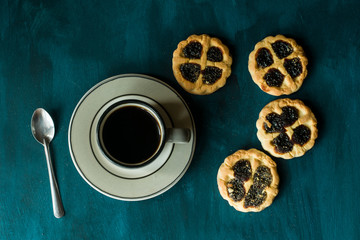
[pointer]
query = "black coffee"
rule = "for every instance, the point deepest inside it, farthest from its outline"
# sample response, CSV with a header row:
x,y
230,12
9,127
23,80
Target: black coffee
x,y
130,135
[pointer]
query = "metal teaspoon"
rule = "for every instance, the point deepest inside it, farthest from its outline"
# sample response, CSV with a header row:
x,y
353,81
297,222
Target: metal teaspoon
x,y
43,130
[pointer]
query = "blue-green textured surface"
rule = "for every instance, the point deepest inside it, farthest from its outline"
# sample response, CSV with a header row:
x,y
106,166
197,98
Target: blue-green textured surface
x,y
52,52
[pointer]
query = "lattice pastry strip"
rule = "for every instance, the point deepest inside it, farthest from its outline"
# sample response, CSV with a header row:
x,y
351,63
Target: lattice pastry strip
x,y
201,64
248,180
287,128
278,65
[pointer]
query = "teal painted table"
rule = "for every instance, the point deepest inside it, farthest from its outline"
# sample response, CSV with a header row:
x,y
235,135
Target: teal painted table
x,y
52,52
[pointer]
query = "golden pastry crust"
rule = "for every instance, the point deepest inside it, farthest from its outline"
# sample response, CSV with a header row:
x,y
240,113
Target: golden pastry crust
x,y
305,117
289,85
256,158
200,87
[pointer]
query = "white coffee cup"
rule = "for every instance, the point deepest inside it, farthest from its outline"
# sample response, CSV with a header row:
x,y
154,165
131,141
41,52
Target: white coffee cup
x,y
132,133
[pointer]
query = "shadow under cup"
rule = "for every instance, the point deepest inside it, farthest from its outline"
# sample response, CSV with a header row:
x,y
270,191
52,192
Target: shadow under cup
x,y
131,133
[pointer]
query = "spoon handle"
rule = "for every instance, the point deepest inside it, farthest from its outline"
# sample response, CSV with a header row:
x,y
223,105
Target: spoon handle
x,y
55,194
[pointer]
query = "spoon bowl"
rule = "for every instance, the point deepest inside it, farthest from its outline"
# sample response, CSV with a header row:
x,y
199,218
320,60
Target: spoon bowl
x,y
42,126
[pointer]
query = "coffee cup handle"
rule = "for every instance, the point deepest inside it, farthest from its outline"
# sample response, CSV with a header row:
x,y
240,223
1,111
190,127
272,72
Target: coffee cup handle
x,y
178,135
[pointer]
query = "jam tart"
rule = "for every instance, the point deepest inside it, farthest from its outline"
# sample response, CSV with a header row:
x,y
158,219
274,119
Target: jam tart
x,y
286,128
278,65
248,180
201,64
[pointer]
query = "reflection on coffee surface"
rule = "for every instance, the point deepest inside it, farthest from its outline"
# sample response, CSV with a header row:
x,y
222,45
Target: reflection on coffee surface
x,y
130,135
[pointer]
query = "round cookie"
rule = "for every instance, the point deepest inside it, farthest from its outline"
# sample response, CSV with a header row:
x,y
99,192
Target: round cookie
x,y
286,128
201,64
278,65
248,180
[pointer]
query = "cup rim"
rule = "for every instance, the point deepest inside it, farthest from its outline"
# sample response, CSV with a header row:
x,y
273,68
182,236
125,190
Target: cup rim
x,y
137,103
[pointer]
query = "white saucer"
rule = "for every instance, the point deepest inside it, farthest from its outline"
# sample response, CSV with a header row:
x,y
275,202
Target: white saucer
x,y
114,180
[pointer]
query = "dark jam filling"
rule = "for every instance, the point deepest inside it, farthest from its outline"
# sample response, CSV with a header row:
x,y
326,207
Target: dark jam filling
x,y
282,143
211,75
242,170
293,67
282,49
214,54
289,115
190,71
264,58
262,177
274,78
193,50
301,135
278,122
255,197
236,190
